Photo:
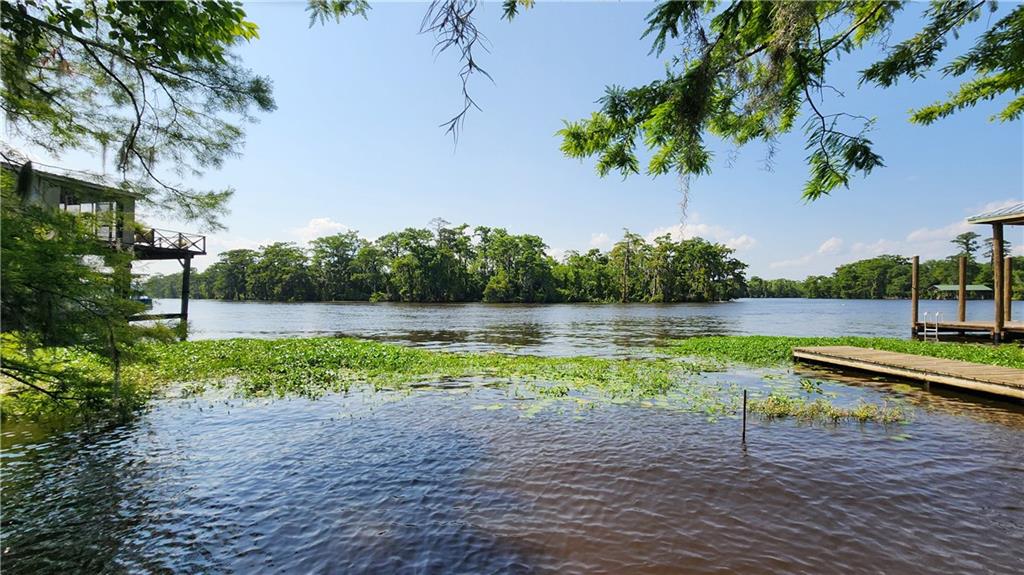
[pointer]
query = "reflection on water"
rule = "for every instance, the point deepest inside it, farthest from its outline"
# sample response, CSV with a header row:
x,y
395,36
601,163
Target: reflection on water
x,y
593,329
457,479
466,483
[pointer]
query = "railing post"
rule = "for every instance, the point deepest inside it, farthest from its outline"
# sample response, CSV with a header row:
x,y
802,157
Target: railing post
x,y
914,279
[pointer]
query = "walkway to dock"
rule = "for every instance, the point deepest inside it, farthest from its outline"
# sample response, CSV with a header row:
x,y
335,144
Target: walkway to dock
x,y
1004,381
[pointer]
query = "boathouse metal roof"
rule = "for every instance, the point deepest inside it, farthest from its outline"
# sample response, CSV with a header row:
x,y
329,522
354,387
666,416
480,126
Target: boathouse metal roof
x,y
1013,215
954,287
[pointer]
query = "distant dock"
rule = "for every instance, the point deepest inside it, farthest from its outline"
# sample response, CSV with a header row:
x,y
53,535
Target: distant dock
x,y
993,379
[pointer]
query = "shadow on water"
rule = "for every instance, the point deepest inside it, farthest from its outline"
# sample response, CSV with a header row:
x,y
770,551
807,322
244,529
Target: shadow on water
x,y
472,480
244,493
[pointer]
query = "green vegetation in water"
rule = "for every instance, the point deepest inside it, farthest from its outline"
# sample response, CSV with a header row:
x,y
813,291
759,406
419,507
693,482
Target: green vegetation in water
x,y
781,405
312,367
758,350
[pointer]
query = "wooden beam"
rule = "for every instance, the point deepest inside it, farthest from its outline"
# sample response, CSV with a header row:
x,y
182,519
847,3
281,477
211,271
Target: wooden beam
x,y
1008,289
914,279
961,307
989,379
997,280
186,273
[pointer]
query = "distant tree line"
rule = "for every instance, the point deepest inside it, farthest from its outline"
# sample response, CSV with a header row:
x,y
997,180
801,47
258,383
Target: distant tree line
x,y
459,264
888,276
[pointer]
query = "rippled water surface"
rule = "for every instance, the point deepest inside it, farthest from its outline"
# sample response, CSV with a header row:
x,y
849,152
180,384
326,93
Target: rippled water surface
x,y
468,478
468,482
570,329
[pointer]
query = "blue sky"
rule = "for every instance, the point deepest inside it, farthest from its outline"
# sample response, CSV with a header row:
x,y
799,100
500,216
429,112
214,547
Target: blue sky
x,y
355,144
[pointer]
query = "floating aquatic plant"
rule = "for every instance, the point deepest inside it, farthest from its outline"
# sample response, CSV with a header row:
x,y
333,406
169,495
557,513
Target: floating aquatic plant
x,y
762,350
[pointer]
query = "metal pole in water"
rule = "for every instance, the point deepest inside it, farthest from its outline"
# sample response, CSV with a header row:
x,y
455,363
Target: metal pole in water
x,y
744,416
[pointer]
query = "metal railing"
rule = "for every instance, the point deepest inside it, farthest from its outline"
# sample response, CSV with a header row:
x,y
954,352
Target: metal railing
x,y
169,240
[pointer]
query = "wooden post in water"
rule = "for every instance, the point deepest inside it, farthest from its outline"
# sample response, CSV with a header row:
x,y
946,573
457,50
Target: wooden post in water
x,y
997,280
961,294
914,277
186,285
1008,289
744,436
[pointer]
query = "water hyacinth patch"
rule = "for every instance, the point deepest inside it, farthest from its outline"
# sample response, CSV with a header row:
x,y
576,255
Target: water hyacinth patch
x,y
254,368
310,367
762,350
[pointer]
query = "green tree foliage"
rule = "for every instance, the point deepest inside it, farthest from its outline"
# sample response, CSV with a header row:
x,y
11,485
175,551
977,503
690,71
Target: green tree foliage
x,y
454,264
968,244
62,288
280,273
748,70
882,277
155,82
332,266
1007,248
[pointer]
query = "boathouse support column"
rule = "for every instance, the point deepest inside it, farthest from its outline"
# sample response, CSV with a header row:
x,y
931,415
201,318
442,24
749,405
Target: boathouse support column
x,y
997,280
186,285
961,307
1008,289
914,277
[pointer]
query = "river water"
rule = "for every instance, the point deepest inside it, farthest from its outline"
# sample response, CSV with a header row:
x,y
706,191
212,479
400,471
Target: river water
x,y
569,329
473,479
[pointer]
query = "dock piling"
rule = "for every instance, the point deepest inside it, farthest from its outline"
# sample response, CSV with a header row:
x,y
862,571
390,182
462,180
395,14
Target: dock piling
x,y
997,281
961,306
914,280
1008,289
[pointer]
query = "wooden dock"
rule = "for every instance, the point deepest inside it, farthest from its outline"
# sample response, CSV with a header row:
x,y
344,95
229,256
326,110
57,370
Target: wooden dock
x,y
997,380
1010,328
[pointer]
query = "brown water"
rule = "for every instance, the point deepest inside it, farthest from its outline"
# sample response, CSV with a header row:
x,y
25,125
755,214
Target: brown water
x,y
474,479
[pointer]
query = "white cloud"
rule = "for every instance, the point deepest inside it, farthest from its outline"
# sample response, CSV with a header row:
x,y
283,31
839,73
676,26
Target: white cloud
x,y
318,227
600,241
930,243
831,245
741,242
927,242
828,250
796,262
694,228
996,205
878,247
557,253
945,233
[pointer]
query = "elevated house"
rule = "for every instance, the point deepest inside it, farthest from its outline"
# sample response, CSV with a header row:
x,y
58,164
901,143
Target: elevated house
x,y
1002,327
113,222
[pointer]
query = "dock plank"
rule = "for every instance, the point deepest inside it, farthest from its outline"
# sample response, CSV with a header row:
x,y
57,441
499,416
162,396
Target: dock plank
x,y
998,380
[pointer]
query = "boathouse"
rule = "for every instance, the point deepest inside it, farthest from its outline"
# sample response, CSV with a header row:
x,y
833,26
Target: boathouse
x,y
1002,326
950,291
112,206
